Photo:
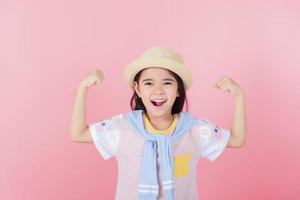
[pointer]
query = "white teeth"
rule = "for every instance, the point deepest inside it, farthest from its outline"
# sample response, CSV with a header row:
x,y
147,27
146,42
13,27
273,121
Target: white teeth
x,y
159,100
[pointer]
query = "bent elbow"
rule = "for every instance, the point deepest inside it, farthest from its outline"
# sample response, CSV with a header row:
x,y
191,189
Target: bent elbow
x,y
241,143
74,137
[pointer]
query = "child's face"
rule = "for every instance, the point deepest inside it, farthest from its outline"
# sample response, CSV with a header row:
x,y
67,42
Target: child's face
x,y
158,90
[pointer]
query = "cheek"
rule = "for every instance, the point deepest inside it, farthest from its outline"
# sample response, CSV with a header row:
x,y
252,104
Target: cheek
x,y
145,91
172,92
145,95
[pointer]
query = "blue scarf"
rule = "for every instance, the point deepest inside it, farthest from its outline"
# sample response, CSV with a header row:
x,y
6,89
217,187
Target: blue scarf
x,y
163,146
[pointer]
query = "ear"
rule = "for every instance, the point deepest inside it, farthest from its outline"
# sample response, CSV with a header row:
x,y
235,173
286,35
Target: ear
x,y
177,95
136,88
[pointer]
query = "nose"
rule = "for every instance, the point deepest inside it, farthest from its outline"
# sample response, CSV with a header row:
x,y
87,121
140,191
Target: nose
x,y
158,89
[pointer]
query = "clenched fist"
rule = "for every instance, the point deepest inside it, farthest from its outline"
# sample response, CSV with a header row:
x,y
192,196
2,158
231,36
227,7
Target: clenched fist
x,y
94,77
227,84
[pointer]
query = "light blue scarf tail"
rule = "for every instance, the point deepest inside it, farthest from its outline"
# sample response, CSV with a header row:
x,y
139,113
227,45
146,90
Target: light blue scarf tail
x,y
161,145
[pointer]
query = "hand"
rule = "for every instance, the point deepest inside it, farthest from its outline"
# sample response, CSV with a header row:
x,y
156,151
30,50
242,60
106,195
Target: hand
x,y
94,77
227,84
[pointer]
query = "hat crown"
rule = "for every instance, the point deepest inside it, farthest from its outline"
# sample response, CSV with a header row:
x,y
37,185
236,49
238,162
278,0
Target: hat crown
x,y
163,53
158,57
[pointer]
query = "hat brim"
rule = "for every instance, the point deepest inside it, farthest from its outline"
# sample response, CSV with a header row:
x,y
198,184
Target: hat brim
x,y
135,66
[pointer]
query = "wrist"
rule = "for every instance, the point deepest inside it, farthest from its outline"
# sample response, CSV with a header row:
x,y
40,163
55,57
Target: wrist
x,y
239,93
83,88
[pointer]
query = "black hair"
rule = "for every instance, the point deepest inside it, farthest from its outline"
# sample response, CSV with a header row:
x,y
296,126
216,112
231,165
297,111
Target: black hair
x,y
136,102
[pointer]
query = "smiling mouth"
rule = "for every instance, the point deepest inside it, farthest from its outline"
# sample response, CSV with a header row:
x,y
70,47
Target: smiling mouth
x,y
158,102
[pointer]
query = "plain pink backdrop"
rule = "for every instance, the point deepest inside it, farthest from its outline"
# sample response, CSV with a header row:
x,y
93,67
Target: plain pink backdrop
x,y
47,47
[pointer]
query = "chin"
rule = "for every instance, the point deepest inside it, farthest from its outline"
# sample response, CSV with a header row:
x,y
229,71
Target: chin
x,y
159,113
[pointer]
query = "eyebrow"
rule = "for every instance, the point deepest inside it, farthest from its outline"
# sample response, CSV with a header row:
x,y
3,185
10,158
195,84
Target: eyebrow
x,y
165,79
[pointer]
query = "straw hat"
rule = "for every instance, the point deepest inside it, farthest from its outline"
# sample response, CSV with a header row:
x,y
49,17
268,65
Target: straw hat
x,y
159,57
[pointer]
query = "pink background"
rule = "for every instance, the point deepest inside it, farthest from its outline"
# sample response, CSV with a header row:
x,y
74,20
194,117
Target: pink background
x,y
47,47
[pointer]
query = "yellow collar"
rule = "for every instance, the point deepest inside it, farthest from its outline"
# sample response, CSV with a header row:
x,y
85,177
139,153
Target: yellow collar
x,y
154,130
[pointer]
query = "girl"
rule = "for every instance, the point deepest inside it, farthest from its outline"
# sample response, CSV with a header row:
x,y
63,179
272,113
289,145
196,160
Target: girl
x,y
157,145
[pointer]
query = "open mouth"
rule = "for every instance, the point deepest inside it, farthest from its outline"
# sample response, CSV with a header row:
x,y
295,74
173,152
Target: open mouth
x,y
158,102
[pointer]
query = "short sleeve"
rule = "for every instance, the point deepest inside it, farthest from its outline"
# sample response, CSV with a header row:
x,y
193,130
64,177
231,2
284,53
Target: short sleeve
x,y
106,135
211,139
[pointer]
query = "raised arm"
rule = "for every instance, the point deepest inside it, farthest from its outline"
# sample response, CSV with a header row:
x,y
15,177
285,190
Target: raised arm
x,y
79,131
239,122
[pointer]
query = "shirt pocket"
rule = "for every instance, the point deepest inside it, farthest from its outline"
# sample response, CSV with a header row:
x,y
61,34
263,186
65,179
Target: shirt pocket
x,y
182,164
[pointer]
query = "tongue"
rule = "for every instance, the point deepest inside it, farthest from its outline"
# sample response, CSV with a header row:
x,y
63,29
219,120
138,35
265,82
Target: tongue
x,y
158,103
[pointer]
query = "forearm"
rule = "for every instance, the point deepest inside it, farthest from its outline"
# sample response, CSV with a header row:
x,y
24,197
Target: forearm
x,y
239,122
78,120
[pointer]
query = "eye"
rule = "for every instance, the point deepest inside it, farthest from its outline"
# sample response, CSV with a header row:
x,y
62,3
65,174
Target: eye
x,y
168,83
147,83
